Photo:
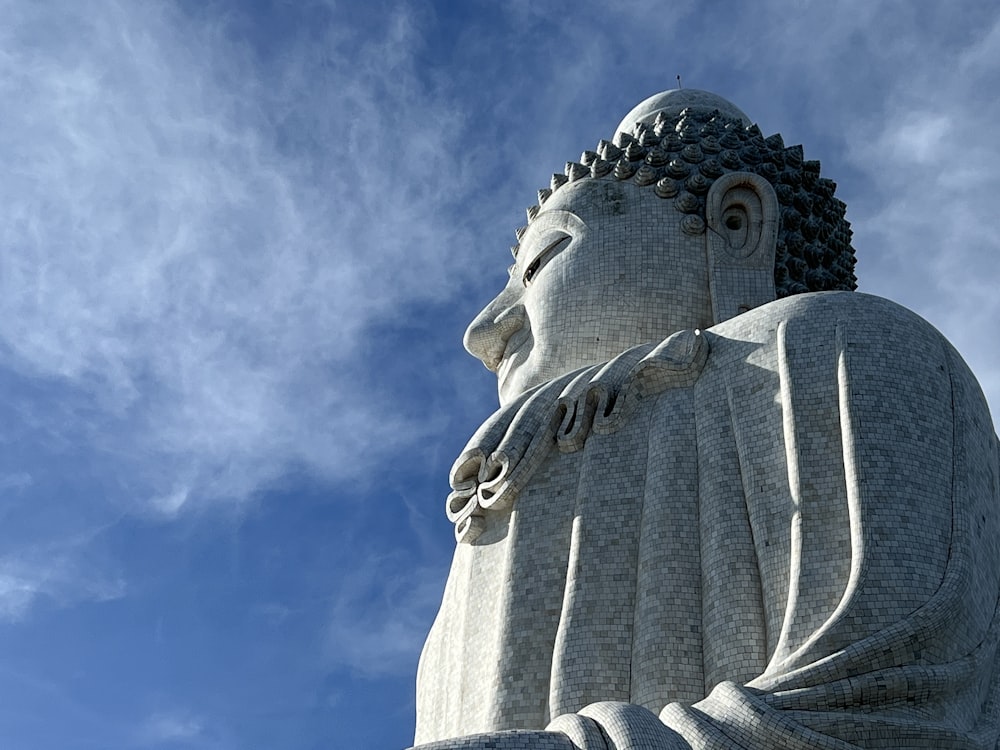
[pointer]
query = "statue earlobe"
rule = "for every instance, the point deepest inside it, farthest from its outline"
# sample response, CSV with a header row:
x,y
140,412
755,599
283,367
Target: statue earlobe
x,y
742,215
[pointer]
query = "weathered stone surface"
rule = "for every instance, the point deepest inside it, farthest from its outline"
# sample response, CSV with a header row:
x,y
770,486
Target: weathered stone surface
x,y
704,517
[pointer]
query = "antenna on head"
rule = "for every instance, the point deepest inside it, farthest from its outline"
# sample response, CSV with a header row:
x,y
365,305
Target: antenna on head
x,y
679,81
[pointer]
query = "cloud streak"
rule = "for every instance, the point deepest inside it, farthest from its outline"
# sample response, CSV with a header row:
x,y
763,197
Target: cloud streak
x,y
197,241
62,574
170,728
373,638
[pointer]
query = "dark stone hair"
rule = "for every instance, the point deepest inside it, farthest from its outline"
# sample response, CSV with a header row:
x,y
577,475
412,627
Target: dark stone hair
x,y
680,157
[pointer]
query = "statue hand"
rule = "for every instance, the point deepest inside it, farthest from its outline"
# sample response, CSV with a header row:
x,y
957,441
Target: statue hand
x,y
516,739
599,726
623,726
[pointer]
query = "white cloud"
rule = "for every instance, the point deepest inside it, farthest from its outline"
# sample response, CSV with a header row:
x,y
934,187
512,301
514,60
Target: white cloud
x,y
17,481
920,138
170,728
63,574
380,616
929,234
197,240
17,592
170,505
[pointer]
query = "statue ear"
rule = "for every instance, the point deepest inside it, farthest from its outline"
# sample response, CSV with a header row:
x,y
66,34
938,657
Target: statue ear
x,y
742,214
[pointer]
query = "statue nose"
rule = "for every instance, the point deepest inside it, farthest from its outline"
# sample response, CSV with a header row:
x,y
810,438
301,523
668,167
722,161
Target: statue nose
x,y
486,337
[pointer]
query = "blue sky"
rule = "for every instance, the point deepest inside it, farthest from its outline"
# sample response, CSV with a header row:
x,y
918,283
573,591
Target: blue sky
x,y
239,244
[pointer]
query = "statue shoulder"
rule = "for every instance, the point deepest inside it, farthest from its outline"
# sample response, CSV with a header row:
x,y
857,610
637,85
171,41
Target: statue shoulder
x,y
877,342
821,310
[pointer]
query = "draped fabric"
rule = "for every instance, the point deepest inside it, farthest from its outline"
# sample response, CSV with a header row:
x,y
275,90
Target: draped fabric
x,y
781,532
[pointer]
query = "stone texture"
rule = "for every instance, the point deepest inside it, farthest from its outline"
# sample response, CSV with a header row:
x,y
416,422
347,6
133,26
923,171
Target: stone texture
x,y
707,518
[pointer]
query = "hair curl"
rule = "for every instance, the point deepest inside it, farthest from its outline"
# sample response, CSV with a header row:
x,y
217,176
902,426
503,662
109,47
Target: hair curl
x,y
680,157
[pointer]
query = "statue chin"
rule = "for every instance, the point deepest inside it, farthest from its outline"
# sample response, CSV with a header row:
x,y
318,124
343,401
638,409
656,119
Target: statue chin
x,y
518,380
514,378
780,531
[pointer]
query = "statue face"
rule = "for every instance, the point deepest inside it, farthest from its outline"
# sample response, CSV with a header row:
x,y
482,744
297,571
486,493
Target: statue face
x,y
603,267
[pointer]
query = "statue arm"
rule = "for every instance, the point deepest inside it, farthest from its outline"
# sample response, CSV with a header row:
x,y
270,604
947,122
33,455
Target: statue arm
x,y
876,560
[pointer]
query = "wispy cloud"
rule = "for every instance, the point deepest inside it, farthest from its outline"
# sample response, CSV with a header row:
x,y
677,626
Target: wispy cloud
x,y
197,240
929,155
63,576
380,616
17,481
170,728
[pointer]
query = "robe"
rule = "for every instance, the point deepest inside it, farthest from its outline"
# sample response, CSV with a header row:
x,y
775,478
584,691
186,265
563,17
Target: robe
x,y
783,531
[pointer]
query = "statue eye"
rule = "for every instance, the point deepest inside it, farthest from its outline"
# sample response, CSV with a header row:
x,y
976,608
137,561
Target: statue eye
x,y
543,257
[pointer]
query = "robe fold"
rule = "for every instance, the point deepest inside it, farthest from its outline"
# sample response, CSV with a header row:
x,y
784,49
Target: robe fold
x,y
783,531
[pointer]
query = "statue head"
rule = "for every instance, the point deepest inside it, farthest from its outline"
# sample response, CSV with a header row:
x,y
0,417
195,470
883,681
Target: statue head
x,y
688,218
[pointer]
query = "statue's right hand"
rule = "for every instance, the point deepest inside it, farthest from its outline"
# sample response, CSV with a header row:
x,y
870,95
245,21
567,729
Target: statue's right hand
x,y
599,726
613,725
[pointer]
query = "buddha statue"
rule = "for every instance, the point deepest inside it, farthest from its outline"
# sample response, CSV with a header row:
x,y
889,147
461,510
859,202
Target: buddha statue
x,y
727,501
